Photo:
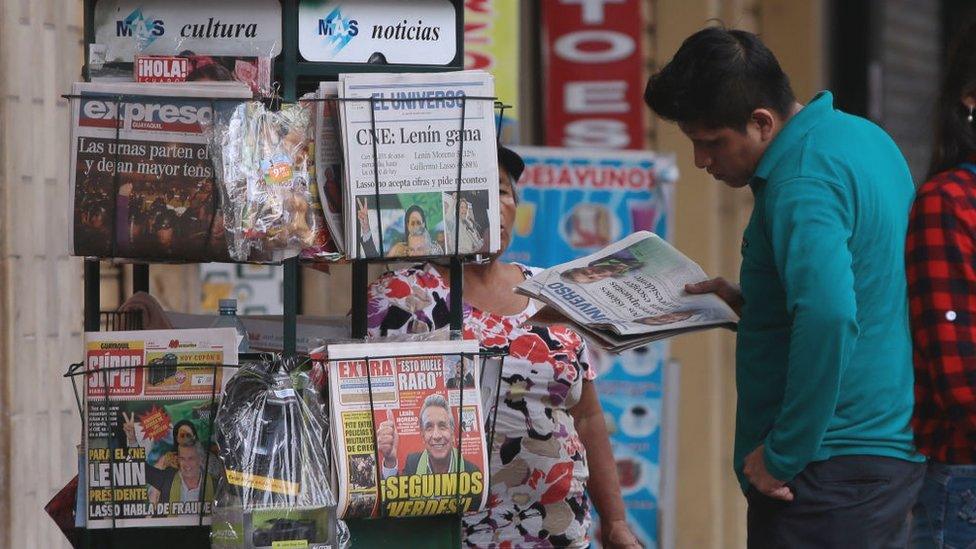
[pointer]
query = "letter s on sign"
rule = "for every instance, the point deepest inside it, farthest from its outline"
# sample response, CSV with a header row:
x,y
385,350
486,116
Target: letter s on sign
x,y
596,133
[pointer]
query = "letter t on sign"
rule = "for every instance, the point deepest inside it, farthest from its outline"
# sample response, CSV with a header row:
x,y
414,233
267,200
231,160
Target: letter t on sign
x,y
593,13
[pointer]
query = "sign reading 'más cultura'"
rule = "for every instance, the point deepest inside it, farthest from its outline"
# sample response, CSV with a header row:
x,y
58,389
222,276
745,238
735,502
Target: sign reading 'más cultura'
x,y
168,27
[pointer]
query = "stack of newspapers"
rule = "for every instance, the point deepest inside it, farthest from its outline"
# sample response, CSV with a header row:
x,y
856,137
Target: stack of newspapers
x,y
628,294
407,421
390,153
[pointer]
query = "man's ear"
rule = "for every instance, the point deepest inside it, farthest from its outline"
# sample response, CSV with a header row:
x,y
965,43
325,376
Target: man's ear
x,y
766,122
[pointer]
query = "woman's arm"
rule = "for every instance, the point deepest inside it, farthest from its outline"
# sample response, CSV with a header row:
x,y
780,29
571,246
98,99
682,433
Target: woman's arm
x,y
603,486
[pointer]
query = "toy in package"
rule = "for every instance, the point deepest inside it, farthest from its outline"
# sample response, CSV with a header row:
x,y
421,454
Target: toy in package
x,y
263,164
272,432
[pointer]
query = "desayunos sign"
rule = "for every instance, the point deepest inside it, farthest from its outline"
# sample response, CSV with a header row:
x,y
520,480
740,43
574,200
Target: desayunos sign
x,y
168,27
352,31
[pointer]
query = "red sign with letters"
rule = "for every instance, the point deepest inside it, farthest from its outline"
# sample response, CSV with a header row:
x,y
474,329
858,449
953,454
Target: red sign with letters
x,y
594,74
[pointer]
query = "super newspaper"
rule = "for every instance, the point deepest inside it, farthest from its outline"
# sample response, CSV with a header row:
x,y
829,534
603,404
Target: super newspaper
x,y
629,293
427,421
149,400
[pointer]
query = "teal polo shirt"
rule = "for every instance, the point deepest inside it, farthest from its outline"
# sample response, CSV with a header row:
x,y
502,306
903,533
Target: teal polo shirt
x,y
823,352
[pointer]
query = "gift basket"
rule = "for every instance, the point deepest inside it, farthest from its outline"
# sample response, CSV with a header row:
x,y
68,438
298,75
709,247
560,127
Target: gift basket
x,y
272,431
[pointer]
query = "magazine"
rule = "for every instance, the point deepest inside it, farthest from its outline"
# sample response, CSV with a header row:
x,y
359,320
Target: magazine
x,y
430,454
162,205
419,142
149,405
628,294
328,159
254,72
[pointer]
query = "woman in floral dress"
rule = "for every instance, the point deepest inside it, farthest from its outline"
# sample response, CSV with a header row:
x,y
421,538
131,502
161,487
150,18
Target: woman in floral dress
x,y
550,449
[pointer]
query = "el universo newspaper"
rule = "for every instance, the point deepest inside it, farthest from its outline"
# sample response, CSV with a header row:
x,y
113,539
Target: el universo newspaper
x,y
421,404
149,400
423,145
629,293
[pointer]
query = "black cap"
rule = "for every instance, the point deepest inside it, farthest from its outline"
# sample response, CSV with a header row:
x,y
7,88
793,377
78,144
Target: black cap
x,y
511,161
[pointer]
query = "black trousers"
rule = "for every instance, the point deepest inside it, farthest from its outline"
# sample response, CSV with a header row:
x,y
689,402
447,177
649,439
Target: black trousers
x,y
860,502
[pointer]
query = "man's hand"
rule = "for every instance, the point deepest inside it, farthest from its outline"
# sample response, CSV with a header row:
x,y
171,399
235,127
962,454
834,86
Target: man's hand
x,y
386,441
728,292
129,428
755,471
617,535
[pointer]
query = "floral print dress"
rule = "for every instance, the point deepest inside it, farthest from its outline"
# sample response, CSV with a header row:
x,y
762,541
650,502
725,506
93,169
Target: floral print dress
x,y
538,463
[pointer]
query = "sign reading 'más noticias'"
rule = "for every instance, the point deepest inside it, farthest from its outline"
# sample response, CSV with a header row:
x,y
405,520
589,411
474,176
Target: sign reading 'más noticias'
x,y
355,31
168,27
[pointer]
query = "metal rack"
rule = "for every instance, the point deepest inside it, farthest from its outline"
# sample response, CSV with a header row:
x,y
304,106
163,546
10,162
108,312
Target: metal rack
x,y
294,74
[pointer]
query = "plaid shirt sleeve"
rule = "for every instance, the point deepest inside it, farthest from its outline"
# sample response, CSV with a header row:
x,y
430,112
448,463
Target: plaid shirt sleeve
x,y
941,271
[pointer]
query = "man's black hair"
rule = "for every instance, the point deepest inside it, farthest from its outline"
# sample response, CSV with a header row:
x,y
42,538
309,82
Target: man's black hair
x,y
717,78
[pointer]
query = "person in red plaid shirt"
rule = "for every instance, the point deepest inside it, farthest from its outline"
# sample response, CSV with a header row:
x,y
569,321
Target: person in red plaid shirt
x,y
941,270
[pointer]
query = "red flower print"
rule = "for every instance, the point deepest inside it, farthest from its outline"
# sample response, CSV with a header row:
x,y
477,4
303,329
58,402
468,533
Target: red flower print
x,y
535,478
560,479
427,280
569,339
530,347
397,289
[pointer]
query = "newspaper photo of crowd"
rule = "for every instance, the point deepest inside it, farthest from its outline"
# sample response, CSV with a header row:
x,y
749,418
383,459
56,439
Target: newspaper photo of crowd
x,y
147,216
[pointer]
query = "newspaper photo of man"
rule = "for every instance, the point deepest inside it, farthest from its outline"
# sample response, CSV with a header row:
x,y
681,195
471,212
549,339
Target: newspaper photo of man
x,y
610,266
665,318
182,484
454,377
439,433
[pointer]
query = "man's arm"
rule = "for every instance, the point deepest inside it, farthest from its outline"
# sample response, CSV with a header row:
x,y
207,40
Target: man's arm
x,y
810,223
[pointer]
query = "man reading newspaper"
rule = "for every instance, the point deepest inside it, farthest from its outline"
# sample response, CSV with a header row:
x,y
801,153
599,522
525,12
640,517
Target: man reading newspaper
x,y
823,444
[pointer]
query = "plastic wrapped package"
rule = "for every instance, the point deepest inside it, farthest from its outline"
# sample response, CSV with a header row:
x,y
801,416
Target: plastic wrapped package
x,y
272,431
262,162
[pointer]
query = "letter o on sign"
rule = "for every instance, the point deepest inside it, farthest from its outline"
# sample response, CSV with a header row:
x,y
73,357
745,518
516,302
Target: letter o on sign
x,y
620,46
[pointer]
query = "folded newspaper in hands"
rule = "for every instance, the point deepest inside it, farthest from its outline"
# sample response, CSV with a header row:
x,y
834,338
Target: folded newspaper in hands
x,y
628,294
408,432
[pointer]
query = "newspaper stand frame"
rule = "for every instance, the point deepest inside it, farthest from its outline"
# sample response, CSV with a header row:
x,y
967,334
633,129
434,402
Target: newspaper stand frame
x,y
379,531
292,72
114,321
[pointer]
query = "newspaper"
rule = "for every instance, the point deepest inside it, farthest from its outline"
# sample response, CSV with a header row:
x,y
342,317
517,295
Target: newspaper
x,y
328,159
419,140
628,294
148,422
162,204
430,454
